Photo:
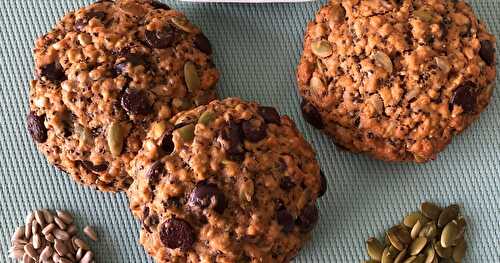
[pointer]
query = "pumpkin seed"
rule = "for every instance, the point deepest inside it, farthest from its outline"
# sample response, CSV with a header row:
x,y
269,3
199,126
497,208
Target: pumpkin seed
x,y
411,219
430,254
401,256
449,234
115,138
448,214
410,259
375,248
371,261
430,210
424,15
321,48
441,251
382,60
416,229
461,227
417,245
337,13
399,237
191,77
182,23
186,132
386,256
429,230
419,259
206,117
459,251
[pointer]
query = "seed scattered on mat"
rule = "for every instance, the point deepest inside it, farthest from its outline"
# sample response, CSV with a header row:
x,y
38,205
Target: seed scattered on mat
x,y
431,235
51,237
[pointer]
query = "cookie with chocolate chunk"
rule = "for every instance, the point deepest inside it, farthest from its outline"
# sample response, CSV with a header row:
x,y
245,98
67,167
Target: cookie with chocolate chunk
x,y
231,181
103,74
396,79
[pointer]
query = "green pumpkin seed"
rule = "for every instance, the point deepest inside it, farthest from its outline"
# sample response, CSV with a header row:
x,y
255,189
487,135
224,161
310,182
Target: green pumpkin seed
x,y
424,15
206,117
430,210
417,245
401,256
430,254
449,234
399,237
374,248
411,219
186,132
448,214
182,23
416,229
386,256
193,82
204,98
321,48
115,137
441,251
459,251
429,230
182,103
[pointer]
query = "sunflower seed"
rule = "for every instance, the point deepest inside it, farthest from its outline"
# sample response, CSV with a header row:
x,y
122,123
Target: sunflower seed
x,y
64,216
417,227
28,230
375,248
459,251
60,223
80,244
65,260
401,256
191,77
87,258
89,231
79,254
46,253
37,241
16,253
40,218
449,234
430,210
30,250
411,219
47,216
60,247
49,237
115,138
29,217
72,230
27,259
417,245
56,257
48,229
321,48
448,214
19,242
35,227
61,234
18,234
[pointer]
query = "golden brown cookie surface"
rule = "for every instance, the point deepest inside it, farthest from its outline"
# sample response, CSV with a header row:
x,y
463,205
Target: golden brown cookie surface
x,y
104,73
228,182
396,79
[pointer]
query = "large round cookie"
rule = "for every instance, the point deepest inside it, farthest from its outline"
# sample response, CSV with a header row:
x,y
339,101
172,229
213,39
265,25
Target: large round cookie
x,y
104,73
396,79
228,182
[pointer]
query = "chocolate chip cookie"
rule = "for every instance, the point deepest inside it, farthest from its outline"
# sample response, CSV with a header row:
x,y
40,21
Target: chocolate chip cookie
x,y
396,79
231,181
103,74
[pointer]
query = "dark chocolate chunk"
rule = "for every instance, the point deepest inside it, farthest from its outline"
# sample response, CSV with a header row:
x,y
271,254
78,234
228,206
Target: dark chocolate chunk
x,y
53,72
308,218
270,115
208,196
177,233
135,102
202,43
465,97
311,114
252,133
36,127
162,38
487,52
285,219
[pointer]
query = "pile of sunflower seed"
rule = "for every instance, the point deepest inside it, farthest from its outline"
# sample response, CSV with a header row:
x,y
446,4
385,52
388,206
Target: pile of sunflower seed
x,y
430,235
50,237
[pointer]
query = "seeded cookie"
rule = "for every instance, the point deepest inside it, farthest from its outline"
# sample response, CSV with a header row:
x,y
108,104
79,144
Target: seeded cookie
x,y
103,74
228,182
396,79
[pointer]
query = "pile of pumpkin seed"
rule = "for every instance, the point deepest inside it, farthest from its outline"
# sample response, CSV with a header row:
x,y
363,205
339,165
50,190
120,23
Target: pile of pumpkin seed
x,y
430,235
51,237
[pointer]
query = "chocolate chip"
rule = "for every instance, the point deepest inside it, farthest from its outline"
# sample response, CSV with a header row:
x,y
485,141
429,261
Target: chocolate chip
x,y
323,184
202,43
162,38
208,196
135,102
286,183
167,143
177,233
270,115
133,58
80,24
311,114
159,5
231,136
36,127
464,97
285,219
308,218
252,133
487,52
154,173
53,72
94,168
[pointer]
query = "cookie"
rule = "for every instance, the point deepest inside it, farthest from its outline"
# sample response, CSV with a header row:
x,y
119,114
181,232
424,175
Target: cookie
x,y
231,181
103,74
396,79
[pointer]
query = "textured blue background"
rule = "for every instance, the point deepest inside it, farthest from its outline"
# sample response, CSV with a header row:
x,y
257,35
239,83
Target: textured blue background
x,y
256,47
